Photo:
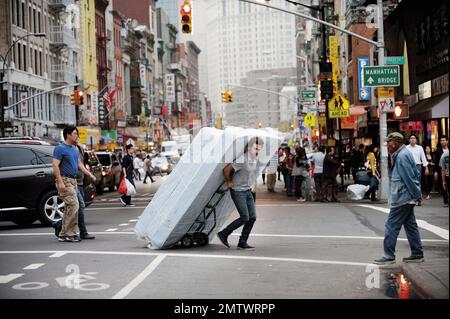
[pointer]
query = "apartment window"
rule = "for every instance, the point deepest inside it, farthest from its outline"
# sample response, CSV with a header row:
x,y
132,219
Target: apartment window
x,y
39,22
24,57
23,15
34,21
30,23
36,62
350,48
40,63
19,56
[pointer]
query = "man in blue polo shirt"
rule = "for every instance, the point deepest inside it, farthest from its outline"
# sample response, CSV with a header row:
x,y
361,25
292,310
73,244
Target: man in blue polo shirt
x,y
65,166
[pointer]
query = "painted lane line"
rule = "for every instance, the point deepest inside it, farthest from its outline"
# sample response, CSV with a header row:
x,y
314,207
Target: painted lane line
x,y
124,224
238,257
441,232
111,229
133,220
236,234
115,208
7,278
33,266
139,279
57,254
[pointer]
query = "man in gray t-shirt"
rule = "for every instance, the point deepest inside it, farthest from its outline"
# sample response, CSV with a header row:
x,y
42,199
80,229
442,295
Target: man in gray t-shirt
x,y
240,176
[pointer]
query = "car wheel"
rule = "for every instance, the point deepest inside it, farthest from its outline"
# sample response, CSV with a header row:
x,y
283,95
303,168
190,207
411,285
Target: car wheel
x,y
51,208
25,220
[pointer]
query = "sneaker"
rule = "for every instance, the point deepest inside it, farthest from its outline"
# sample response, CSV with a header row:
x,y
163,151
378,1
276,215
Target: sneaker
x,y
384,261
223,238
61,239
445,205
123,203
130,205
87,236
245,246
414,259
301,199
73,239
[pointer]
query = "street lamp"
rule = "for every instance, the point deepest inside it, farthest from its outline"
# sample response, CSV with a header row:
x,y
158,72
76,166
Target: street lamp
x,y
2,75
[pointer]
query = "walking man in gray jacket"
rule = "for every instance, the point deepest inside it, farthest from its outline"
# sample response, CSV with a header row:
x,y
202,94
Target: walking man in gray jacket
x,y
403,195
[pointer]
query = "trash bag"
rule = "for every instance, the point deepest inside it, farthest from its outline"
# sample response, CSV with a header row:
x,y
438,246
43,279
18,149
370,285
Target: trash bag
x,y
357,191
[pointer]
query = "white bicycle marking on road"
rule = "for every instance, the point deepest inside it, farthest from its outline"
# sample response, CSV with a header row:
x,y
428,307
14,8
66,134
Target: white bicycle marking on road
x,y
111,229
33,266
441,232
30,286
7,278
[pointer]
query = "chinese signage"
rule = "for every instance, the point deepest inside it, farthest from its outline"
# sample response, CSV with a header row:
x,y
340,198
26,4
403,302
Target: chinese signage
x,y
170,87
94,106
334,57
23,104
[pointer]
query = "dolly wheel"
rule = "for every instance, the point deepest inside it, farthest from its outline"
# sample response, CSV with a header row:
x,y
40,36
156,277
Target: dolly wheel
x,y
201,239
187,241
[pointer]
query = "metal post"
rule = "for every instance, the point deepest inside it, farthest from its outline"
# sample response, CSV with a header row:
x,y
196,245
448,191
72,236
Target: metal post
x,y
383,115
341,158
2,109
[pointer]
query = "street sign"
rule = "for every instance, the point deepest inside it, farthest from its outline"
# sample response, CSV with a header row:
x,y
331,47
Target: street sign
x,y
395,60
386,75
309,120
365,93
386,99
309,94
338,106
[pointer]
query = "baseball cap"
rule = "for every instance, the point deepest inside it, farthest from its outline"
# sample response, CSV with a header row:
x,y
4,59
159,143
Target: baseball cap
x,y
395,137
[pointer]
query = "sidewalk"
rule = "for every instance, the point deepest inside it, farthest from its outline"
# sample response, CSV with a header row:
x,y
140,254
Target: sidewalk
x,y
430,278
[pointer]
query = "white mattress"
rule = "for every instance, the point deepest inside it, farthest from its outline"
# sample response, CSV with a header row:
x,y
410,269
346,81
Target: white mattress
x,y
187,190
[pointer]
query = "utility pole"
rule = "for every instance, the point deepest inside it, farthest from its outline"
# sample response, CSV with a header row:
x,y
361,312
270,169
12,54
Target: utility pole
x,y
379,44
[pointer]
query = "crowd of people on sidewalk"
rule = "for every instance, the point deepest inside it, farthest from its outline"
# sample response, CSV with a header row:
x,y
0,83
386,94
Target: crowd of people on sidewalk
x,y
310,174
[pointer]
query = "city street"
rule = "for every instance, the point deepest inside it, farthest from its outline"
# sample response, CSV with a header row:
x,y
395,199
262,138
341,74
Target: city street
x,y
303,250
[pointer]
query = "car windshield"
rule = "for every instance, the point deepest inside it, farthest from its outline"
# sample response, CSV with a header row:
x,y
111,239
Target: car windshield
x,y
104,159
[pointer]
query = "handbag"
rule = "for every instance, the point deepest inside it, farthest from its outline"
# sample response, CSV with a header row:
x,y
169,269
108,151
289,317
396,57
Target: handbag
x,y
122,187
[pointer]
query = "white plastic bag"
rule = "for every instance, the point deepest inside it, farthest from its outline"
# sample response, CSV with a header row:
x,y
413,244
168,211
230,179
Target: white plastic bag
x,y
356,191
131,190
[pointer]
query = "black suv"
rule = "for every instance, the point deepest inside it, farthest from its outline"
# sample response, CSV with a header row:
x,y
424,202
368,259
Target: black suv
x,y
27,185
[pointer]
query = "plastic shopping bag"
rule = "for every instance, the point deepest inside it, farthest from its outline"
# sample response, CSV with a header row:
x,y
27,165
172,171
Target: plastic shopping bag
x,y
122,187
356,191
131,190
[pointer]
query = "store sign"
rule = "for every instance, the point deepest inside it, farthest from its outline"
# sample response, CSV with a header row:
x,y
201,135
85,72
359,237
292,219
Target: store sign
x,y
170,87
439,85
425,90
23,104
94,107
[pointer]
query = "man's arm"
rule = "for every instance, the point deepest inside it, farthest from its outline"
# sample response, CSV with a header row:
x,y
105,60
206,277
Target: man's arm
x,y
424,161
407,174
228,175
57,172
443,172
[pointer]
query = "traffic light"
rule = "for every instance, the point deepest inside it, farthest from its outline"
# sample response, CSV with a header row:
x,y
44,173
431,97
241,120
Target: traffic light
x,y
186,17
73,98
326,89
80,97
230,96
401,111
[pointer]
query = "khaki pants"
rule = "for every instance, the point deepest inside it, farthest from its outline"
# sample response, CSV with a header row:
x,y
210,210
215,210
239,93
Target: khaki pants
x,y
271,179
70,199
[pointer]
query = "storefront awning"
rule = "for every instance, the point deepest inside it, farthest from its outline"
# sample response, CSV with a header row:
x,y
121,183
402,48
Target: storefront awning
x,y
432,108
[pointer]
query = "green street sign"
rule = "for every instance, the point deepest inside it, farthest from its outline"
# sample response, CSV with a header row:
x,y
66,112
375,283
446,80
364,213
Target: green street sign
x,y
395,60
386,75
308,94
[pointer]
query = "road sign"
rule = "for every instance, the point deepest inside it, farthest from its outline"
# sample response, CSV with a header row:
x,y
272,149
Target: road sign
x,y
309,120
338,106
364,92
309,94
386,75
386,99
395,60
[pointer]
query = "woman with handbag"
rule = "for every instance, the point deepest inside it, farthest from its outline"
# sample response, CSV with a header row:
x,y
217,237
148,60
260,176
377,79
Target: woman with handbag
x,y
372,171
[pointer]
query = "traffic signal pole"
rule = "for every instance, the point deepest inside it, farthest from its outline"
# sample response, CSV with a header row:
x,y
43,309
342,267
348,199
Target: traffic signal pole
x,y
380,46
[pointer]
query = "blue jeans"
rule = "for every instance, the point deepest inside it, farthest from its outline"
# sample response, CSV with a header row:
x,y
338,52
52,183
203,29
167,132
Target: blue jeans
x,y
245,205
289,179
398,216
81,207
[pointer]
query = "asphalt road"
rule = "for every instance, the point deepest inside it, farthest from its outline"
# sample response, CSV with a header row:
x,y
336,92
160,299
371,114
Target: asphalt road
x,y
303,251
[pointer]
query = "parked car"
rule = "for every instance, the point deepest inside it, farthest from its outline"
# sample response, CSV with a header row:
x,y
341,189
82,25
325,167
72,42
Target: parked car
x,y
27,185
112,170
93,164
